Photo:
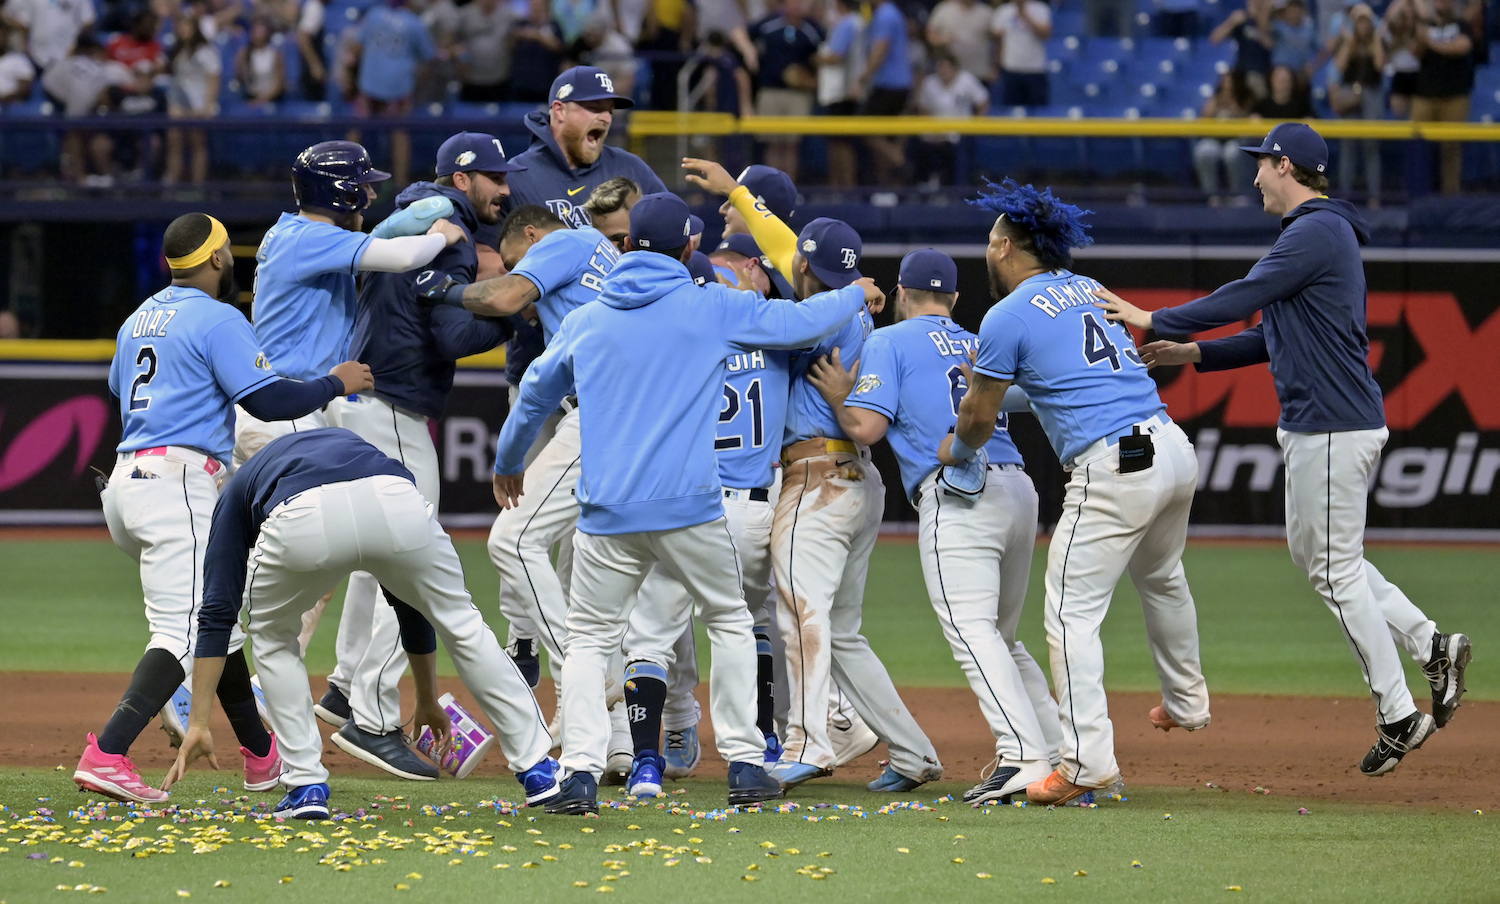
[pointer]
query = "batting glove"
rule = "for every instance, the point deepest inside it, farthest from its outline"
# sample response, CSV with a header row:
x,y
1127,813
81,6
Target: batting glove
x,y
414,219
966,479
435,287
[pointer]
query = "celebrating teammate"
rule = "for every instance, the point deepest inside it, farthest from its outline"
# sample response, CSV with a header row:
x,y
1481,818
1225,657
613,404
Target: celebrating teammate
x,y
1310,292
313,507
1133,476
182,361
975,542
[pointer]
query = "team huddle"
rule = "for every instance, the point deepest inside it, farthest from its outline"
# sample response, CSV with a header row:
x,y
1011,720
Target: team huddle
x,y
689,443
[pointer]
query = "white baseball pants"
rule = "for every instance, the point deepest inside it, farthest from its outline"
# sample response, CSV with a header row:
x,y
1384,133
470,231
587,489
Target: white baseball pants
x,y
161,519
370,658
522,626
827,521
1327,489
384,526
608,571
1113,522
976,559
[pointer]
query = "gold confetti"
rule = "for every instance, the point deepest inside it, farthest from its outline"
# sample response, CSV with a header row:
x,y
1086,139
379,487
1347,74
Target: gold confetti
x,y
704,859
184,893
633,828
580,884
753,866
413,875
1049,881
587,830
605,888
1136,864
529,865
75,863
983,876
502,866
903,850
1232,888
942,819
767,844
402,886
456,861
958,860
695,841
549,858
285,880
747,878
792,851
222,883
1081,873
565,847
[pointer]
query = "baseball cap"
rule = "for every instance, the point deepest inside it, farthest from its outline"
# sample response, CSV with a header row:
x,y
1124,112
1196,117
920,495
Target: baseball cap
x,y
583,83
469,152
831,249
701,269
660,222
1297,142
771,187
740,243
697,224
929,269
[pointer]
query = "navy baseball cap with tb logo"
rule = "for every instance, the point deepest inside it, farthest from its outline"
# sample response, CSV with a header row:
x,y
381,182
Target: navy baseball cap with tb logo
x,y
584,83
1297,142
831,249
471,152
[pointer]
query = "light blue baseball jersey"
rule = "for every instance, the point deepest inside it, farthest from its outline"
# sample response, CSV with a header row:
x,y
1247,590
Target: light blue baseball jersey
x,y
910,373
753,414
305,298
1083,375
181,363
568,267
807,414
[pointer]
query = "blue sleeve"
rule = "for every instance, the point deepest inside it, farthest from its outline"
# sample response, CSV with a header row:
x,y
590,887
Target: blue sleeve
x,y
459,334
417,634
842,37
1000,339
1240,350
547,381
115,379
552,262
285,400
850,337
329,250
229,542
879,385
235,358
421,39
1299,255
883,25
751,322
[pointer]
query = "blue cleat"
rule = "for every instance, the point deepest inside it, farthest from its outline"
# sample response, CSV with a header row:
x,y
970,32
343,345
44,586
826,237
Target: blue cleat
x,y
773,749
579,796
790,775
306,802
645,775
892,781
682,753
540,782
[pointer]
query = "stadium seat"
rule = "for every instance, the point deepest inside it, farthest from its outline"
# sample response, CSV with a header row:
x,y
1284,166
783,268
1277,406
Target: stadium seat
x,y
1176,50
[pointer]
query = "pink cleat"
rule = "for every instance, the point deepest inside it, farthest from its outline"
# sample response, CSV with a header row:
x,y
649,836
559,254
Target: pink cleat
x,y
114,775
262,773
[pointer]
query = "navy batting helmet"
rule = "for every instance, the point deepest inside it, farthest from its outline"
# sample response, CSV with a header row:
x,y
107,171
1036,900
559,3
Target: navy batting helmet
x,y
332,175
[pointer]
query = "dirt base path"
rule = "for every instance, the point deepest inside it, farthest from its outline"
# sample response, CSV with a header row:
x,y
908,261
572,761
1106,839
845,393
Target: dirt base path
x,y
1298,747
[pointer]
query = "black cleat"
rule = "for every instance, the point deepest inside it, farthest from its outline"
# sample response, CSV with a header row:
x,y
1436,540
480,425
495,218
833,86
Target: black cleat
x,y
579,796
334,707
749,784
1395,741
523,653
1445,672
388,751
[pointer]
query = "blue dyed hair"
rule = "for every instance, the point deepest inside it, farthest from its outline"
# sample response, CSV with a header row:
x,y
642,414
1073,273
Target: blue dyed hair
x,y
1046,228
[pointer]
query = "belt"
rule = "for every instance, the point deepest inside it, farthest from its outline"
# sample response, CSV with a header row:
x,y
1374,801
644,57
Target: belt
x,y
758,494
1151,425
182,454
816,447
570,404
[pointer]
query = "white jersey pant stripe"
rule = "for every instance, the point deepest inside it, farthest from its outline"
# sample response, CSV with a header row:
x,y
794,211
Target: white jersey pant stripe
x,y
976,558
1111,523
381,525
607,574
1327,490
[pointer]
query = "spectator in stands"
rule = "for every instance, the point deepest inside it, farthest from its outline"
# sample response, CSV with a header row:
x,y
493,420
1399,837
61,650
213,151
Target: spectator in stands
x,y
310,23
484,65
1021,29
433,78
963,27
260,67
1355,93
1175,19
10,324
728,18
952,93
1251,30
1445,47
536,57
1232,100
722,82
1289,97
1398,29
16,72
192,93
138,48
787,43
81,85
668,30
886,83
393,42
840,62
51,26
1109,18
1294,39
606,47
572,17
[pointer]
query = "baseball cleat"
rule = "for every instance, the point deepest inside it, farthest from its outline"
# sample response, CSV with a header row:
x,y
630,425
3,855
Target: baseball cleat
x,y
262,773
388,751
579,795
645,775
523,653
114,775
681,752
749,783
1396,740
306,802
1055,790
773,749
891,781
174,716
1445,672
617,767
334,707
790,775
540,782
851,742
1009,778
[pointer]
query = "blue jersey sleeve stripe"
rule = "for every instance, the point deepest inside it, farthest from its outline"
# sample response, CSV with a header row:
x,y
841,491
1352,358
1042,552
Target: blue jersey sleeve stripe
x,y
992,374
871,406
359,253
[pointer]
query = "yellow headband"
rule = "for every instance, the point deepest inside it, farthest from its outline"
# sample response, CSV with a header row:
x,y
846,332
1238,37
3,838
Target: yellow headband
x,y
216,236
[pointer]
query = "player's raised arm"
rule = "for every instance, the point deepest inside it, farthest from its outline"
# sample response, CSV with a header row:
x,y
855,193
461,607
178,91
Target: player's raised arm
x,y
776,239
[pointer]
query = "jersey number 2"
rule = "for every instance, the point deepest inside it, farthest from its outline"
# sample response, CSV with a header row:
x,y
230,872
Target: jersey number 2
x,y
731,410
139,401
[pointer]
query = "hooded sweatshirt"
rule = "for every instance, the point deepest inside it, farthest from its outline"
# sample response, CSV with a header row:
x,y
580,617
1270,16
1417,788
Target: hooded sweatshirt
x,y
411,347
648,360
1310,290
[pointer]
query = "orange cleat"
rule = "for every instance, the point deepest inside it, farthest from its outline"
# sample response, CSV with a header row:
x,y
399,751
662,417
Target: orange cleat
x,y
1161,720
1055,790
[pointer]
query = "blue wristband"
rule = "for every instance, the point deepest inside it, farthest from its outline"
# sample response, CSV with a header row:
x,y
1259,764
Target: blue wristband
x,y
960,450
455,295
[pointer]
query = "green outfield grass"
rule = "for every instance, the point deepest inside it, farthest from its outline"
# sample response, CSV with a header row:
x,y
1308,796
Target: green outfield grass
x,y
75,606
1260,846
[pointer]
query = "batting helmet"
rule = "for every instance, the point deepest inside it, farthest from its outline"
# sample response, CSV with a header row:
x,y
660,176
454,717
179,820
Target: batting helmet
x,y
332,175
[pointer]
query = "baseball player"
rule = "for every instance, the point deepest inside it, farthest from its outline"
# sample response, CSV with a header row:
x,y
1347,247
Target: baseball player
x,y
411,350
609,206
661,656
1310,292
647,360
310,508
182,361
1131,489
762,191
976,548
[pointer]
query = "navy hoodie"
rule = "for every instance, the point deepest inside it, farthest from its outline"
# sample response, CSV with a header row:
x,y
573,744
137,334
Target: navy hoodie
x,y
550,182
1310,290
411,347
